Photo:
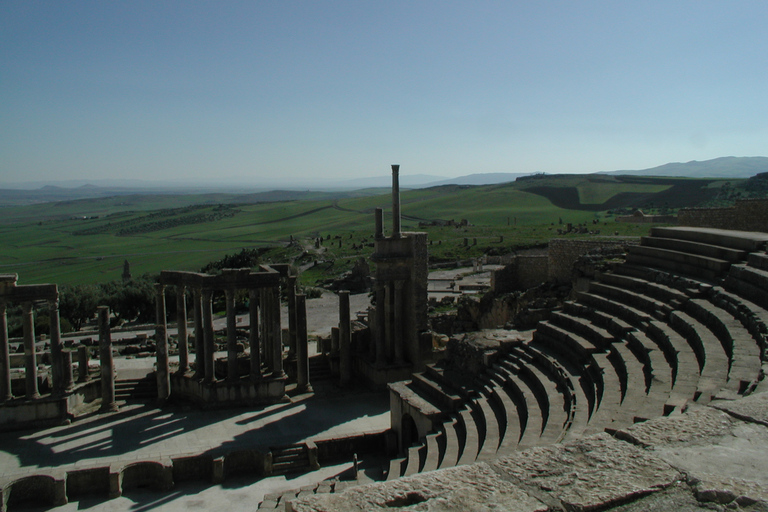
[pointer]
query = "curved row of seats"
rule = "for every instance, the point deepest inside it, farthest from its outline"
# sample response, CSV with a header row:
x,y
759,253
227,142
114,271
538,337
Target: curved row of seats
x,y
684,319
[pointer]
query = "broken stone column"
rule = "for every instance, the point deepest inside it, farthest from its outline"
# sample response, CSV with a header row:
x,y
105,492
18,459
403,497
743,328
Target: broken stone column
x,y
277,332
210,345
181,323
66,369
291,318
267,345
161,341
105,360
82,364
30,352
379,218
334,342
197,296
5,357
302,345
232,372
345,339
253,334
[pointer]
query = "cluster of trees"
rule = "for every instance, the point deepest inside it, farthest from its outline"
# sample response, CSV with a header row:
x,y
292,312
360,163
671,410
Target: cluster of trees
x,y
129,300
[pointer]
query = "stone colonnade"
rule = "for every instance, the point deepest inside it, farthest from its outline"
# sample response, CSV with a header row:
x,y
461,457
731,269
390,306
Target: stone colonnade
x,y
388,322
61,360
265,335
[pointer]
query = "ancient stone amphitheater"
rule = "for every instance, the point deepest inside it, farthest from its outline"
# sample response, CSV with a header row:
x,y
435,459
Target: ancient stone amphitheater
x,y
675,335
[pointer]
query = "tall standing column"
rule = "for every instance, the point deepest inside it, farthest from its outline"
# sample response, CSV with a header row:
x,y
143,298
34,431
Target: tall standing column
x,y
58,373
181,323
277,333
397,322
105,360
5,356
197,297
30,352
232,372
161,341
291,318
396,232
345,339
253,333
210,346
302,348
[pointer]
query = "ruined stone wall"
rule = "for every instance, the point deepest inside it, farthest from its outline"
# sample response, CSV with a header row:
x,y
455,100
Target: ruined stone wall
x,y
648,219
745,215
525,271
563,253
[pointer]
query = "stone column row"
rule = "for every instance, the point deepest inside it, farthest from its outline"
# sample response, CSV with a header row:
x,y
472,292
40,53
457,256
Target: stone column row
x,y
388,323
264,339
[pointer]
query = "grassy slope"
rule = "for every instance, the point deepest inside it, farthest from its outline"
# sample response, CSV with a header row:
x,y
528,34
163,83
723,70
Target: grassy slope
x,y
42,249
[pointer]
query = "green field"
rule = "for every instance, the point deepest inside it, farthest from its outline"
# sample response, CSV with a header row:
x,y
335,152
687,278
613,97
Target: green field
x,y
87,241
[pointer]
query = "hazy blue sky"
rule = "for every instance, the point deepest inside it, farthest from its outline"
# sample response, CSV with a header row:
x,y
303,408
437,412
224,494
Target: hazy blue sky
x,y
263,90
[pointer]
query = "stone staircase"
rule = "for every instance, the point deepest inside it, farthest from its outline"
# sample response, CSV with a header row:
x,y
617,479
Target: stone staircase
x,y
685,319
142,389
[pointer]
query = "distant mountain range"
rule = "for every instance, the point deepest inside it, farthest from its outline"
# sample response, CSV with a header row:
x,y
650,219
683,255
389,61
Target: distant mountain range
x,y
37,192
725,167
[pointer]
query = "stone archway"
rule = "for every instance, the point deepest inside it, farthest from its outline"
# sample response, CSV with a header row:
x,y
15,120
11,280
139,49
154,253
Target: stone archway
x,y
409,433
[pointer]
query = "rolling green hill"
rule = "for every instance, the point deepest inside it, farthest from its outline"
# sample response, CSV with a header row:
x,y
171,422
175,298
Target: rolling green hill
x,y
87,241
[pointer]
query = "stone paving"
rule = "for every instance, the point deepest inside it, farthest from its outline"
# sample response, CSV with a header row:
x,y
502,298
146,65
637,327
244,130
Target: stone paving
x,y
143,431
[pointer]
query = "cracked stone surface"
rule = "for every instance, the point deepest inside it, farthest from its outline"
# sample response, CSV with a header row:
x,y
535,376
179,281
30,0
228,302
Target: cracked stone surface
x,y
726,459
704,459
590,473
466,488
753,408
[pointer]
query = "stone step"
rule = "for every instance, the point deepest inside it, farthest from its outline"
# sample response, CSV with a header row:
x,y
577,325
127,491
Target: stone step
x,y
395,469
758,260
559,396
616,309
612,397
751,315
433,453
136,389
413,459
714,374
691,247
640,283
452,444
756,276
648,305
596,335
471,444
709,269
436,392
741,240
532,423
511,425
491,433
577,383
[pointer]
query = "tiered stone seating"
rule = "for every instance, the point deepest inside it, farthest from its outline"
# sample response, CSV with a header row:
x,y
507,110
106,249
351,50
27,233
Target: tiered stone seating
x,y
685,319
